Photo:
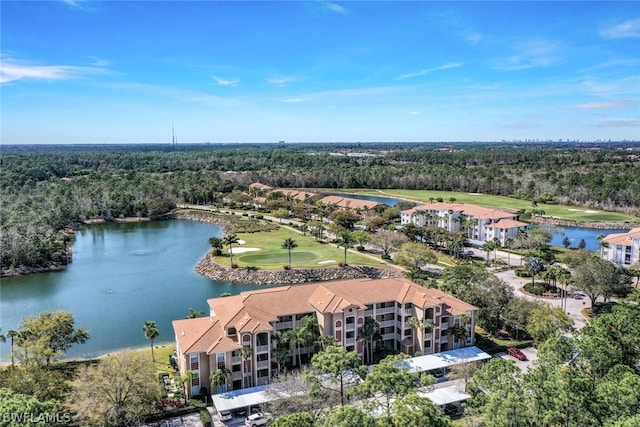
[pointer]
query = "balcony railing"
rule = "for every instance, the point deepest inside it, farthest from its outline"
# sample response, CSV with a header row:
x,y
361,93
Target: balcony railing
x,y
235,360
262,381
428,336
264,364
368,313
350,327
236,376
284,325
444,325
385,310
390,336
387,323
262,349
444,339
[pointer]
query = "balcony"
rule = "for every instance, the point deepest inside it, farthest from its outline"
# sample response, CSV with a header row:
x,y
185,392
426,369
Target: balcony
x,y
262,349
236,360
350,327
284,325
428,336
444,325
368,313
444,339
263,364
391,336
262,381
235,376
387,323
385,310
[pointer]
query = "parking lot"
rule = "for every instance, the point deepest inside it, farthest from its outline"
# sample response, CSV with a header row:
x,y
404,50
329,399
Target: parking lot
x,y
530,352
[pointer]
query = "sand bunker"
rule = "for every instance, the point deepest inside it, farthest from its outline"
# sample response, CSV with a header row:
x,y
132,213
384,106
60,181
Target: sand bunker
x,y
328,261
241,242
590,211
243,250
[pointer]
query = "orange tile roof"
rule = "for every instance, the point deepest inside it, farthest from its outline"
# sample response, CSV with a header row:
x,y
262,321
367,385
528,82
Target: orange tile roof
x,y
470,210
253,311
296,194
506,224
346,202
623,239
202,334
260,186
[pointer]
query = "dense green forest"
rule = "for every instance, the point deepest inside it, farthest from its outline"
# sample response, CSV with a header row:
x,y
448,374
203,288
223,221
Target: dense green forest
x,y
47,188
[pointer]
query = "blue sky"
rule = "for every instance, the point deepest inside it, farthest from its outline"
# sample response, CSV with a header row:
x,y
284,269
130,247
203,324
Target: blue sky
x,y
115,71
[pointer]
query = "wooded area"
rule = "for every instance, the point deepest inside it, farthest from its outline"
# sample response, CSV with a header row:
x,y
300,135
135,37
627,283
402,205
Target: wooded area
x,y
47,188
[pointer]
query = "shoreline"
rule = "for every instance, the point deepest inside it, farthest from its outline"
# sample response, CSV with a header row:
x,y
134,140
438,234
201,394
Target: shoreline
x,y
102,355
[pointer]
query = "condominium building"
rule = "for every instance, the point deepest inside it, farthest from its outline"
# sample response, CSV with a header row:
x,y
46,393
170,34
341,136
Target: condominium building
x,y
479,224
622,249
240,333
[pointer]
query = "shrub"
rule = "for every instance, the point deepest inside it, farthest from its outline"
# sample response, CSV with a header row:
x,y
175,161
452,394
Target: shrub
x,y
521,272
205,417
286,267
533,289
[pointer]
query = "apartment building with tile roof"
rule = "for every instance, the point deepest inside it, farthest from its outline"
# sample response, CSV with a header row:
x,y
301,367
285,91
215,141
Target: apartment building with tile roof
x,y
622,249
349,203
479,224
251,321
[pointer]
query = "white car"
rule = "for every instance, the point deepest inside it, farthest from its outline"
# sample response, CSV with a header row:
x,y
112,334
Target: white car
x,y
255,420
225,416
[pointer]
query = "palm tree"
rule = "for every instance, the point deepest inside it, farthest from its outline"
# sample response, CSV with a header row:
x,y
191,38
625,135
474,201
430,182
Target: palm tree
x,y
151,331
370,330
194,314
12,334
327,341
230,240
533,266
245,353
217,245
281,355
289,244
508,243
186,379
496,246
421,325
346,241
219,378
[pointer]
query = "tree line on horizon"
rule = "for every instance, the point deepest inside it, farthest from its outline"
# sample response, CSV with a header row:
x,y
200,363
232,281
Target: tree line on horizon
x,y
46,189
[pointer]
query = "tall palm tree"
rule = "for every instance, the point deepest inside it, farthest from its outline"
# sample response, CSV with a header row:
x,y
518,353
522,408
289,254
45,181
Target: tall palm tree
x,y
216,245
370,330
346,241
289,244
230,240
11,334
219,378
421,325
151,331
281,355
326,341
508,243
245,353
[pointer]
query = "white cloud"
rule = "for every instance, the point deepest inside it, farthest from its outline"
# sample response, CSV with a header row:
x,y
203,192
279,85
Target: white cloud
x,y
13,71
600,105
280,81
425,71
297,100
225,82
620,123
626,29
534,53
414,113
334,7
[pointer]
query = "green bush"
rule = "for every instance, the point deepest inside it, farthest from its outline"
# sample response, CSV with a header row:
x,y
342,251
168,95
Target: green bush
x,y
205,417
533,289
521,272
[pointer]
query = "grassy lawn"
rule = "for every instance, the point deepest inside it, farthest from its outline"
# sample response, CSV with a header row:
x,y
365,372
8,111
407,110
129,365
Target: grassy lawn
x,y
565,212
308,253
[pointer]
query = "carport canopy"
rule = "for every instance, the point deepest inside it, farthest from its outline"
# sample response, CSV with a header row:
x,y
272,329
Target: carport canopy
x,y
445,359
243,398
442,396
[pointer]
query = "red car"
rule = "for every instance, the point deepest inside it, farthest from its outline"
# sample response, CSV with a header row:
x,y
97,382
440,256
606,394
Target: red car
x,y
515,352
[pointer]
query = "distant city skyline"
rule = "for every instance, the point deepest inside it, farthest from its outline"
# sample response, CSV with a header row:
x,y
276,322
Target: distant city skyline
x,y
76,71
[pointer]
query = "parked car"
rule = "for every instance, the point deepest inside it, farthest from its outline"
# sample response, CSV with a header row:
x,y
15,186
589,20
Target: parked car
x,y
225,415
515,352
255,420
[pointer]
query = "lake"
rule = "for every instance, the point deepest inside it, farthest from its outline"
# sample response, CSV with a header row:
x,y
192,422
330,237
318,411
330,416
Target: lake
x,y
575,234
122,275
389,201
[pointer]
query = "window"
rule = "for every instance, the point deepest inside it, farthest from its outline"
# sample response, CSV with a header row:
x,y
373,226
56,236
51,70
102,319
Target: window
x,y
246,338
194,362
220,359
350,335
195,381
231,332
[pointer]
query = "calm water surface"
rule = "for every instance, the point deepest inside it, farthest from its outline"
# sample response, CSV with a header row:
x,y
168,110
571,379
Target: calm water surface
x,y
121,276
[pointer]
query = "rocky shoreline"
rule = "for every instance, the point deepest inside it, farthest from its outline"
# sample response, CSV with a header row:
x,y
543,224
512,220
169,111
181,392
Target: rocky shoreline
x,y
209,268
597,225
206,217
